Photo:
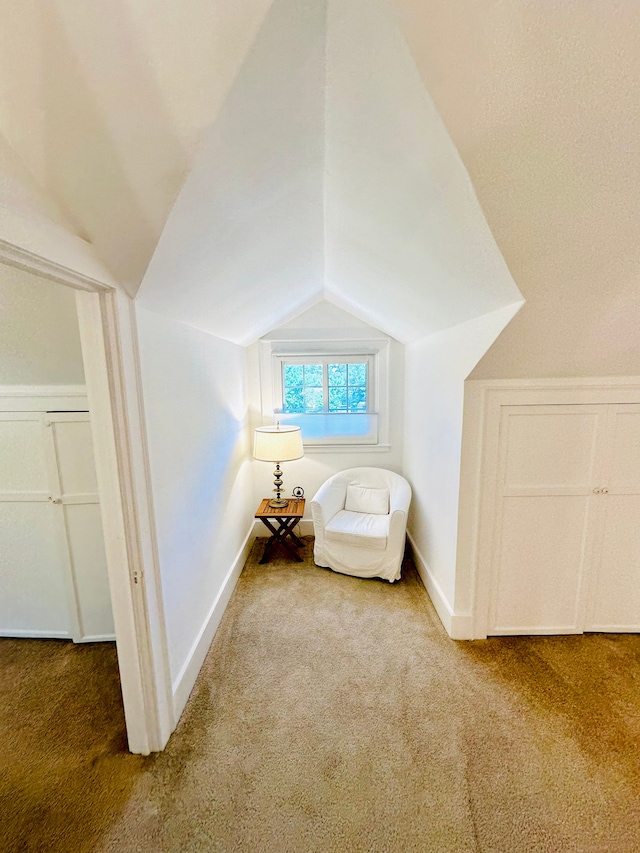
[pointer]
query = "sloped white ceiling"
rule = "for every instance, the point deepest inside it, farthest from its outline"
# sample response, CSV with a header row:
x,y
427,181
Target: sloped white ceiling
x,y
322,167
407,244
243,247
105,104
327,173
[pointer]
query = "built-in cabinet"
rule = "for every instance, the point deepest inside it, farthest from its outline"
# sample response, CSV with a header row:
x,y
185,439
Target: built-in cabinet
x,y
562,537
53,571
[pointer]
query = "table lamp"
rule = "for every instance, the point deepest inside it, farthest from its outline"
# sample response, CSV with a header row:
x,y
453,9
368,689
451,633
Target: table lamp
x,y
278,444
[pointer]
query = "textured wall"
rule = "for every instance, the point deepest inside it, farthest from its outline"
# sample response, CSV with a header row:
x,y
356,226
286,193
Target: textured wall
x,y
39,335
544,112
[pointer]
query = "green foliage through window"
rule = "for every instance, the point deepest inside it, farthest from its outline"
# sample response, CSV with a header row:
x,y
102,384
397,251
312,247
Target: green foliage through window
x,y
311,388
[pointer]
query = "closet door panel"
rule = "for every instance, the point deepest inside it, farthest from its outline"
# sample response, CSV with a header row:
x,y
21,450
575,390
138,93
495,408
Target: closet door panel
x,y
543,539
74,454
550,449
85,538
616,588
33,594
541,561
33,602
73,449
23,467
615,597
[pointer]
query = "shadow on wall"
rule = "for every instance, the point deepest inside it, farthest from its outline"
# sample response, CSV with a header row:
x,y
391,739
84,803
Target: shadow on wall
x,y
116,186
257,185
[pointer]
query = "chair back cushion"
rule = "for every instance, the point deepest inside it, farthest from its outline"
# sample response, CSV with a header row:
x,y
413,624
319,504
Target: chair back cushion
x,y
365,499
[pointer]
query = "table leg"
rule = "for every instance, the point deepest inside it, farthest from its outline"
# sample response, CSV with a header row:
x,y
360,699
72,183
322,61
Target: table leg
x,y
282,533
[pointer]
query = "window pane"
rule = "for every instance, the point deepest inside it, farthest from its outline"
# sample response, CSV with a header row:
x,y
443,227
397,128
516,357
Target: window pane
x,y
313,375
358,374
337,374
313,399
292,375
294,400
337,399
357,399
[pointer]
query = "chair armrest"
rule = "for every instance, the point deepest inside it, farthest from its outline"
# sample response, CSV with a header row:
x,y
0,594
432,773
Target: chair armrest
x,y
397,528
327,501
400,498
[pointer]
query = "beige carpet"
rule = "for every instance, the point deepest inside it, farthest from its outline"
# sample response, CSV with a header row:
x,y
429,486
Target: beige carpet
x,y
333,714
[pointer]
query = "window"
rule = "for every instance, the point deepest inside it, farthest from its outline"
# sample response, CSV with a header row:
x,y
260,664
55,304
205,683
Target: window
x,y
311,386
336,391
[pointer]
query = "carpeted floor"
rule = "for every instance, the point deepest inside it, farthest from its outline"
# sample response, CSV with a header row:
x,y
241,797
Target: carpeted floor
x,y
332,714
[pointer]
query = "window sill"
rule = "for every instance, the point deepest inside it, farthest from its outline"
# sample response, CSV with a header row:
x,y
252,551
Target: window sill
x,y
310,449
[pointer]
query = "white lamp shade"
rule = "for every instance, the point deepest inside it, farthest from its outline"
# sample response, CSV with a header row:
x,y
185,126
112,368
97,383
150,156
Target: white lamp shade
x,y
278,444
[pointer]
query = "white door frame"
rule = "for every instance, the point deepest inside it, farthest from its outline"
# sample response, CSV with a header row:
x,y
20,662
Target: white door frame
x,y
110,354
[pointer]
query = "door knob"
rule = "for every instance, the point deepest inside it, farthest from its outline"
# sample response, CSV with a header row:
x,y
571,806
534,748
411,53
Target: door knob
x,y
605,491
57,500
596,491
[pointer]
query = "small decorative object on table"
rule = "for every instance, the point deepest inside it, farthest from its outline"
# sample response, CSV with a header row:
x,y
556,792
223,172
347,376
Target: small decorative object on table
x,y
297,492
286,518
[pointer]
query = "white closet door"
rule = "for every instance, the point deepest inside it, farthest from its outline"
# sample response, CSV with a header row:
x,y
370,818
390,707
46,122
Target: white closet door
x,y
33,585
615,594
73,478
543,539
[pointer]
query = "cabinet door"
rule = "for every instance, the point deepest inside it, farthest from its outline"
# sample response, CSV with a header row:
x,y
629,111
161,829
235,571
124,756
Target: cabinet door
x,y
543,539
615,591
73,478
34,594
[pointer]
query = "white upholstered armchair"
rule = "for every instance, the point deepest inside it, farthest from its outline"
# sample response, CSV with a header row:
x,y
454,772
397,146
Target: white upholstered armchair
x,y
360,522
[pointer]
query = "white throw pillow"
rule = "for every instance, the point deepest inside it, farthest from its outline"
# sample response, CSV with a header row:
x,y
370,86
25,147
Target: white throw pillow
x,y
363,499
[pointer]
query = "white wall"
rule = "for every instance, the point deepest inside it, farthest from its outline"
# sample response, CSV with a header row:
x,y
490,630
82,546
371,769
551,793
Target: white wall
x,y
436,368
407,244
549,132
326,321
245,236
576,327
39,334
196,415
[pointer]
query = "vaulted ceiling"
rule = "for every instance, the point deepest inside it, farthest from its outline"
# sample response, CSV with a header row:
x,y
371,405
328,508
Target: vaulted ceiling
x,y
243,160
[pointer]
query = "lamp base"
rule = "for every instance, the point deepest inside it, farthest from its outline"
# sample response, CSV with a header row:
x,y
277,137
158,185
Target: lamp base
x,y
278,503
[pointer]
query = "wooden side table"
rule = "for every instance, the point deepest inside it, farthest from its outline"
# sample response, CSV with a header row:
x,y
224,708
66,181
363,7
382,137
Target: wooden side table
x,y
286,518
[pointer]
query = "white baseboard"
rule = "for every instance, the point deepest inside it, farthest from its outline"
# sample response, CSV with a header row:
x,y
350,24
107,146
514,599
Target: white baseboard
x,y
97,638
36,635
303,528
459,626
186,678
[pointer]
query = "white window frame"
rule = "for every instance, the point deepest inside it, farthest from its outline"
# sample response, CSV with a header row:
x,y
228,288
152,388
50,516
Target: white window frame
x,y
372,430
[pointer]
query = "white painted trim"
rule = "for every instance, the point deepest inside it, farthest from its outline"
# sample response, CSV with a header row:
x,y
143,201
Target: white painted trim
x,y
312,449
26,634
484,399
97,638
152,630
24,258
107,459
113,396
43,398
458,626
570,382
43,390
536,631
186,678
